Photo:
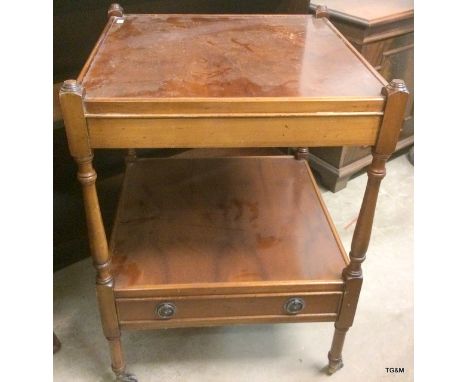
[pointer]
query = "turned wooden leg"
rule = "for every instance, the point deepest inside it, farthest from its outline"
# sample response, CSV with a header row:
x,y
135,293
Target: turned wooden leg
x,y
397,96
71,101
112,331
104,281
335,359
352,274
118,363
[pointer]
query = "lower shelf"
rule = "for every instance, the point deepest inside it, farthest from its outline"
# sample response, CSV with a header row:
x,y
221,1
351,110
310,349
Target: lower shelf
x,y
224,240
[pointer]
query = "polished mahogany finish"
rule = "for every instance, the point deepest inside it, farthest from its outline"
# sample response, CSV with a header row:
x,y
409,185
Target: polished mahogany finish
x,y
72,17
222,222
211,310
169,56
215,241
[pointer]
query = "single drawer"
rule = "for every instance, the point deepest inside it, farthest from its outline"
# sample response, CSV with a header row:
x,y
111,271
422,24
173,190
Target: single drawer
x,y
223,309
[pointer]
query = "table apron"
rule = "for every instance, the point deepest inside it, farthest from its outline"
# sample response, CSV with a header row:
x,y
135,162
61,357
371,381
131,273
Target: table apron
x,y
234,131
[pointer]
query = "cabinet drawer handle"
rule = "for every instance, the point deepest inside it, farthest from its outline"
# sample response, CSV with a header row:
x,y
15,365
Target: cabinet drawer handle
x,y
294,305
166,310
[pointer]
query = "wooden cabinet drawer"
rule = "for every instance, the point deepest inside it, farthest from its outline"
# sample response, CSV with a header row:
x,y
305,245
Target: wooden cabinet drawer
x,y
219,310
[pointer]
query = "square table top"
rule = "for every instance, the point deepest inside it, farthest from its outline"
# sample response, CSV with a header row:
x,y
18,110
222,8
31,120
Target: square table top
x,y
225,56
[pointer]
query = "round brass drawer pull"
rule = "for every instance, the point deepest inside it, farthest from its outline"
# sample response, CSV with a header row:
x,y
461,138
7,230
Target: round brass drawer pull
x,y
294,305
166,310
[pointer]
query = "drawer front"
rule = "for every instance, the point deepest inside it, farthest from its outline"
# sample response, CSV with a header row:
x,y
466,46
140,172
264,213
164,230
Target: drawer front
x,y
209,309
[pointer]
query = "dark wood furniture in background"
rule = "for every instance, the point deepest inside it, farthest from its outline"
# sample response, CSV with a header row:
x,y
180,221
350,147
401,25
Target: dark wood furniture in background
x,y
382,31
216,241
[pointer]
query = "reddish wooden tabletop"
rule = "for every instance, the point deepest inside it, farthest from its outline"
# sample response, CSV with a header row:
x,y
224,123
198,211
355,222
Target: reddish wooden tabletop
x,y
167,56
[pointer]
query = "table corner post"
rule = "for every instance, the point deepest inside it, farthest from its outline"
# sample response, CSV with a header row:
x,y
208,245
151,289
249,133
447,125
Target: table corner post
x,y
396,98
71,101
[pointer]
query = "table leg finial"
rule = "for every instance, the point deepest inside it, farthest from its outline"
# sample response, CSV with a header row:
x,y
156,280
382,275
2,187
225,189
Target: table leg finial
x,y
71,86
115,10
321,11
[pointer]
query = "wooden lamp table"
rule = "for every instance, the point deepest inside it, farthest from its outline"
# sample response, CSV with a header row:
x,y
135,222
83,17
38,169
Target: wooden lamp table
x,y
217,241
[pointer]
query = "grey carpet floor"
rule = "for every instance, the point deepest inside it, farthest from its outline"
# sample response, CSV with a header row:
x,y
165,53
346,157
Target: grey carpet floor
x,y
382,335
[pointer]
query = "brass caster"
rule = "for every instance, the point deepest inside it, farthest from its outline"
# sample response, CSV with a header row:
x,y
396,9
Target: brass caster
x,y
126,377
334,366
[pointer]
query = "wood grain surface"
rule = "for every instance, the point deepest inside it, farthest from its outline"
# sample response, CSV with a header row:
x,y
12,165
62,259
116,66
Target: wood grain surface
x,y
237,307
215,223
167,56
229,238
233,131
